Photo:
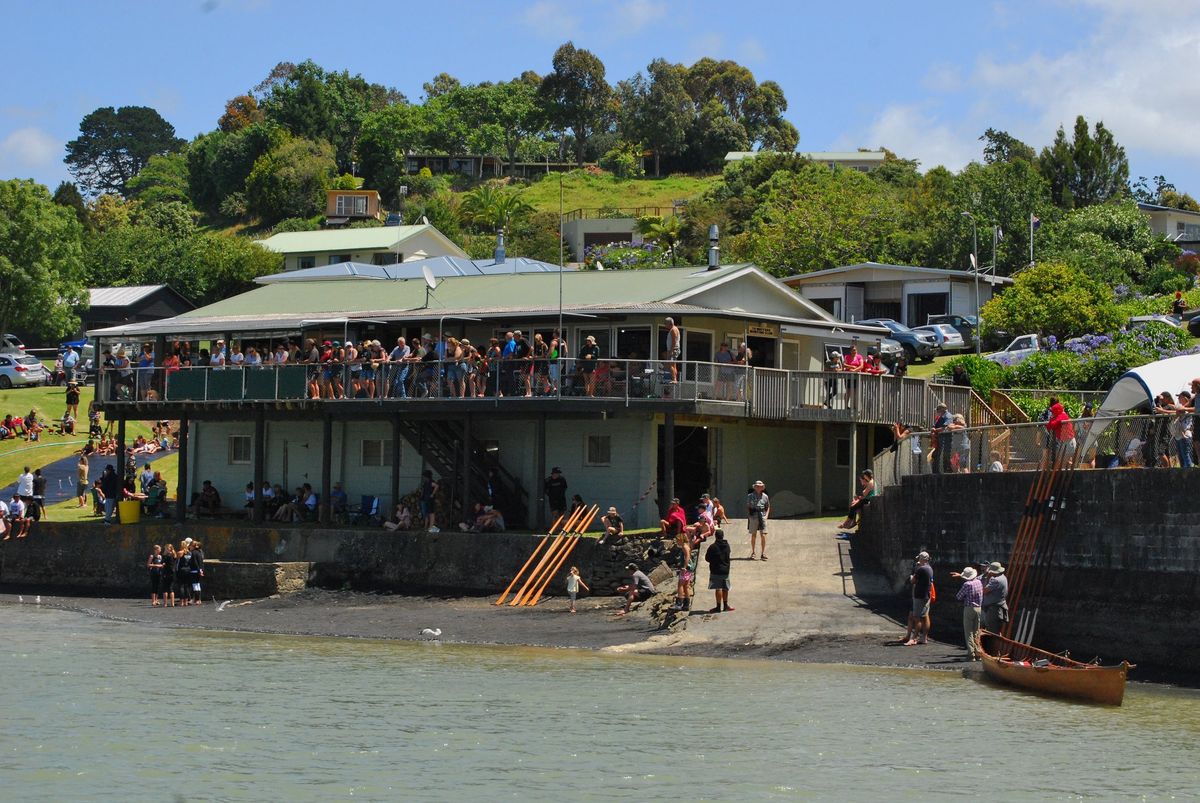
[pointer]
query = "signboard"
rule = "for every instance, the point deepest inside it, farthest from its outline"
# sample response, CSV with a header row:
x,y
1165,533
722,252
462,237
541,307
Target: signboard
x,y
762,330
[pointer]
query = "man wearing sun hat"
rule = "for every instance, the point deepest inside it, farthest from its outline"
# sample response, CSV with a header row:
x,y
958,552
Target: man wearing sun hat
x,y
995,598
758,509
613,524
971,596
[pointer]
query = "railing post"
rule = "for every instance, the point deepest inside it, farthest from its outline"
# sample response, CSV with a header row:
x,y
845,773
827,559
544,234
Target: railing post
x,y
206,372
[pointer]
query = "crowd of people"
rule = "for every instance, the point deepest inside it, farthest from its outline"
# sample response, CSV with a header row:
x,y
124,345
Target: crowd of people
x,y
983,594
26,506
176,574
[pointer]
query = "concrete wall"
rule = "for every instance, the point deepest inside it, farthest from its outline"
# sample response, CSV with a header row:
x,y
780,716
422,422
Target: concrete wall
x,y
622,229
1126,582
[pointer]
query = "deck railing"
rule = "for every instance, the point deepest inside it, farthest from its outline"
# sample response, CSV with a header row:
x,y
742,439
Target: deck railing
x,y
723,387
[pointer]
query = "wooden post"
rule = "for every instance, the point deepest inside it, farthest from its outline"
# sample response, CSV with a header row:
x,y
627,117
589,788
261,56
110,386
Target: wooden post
x,y
120,454
326,469
539,515
668,486
395,465
819,469
853,460
181,492
260,455
466,467
870,445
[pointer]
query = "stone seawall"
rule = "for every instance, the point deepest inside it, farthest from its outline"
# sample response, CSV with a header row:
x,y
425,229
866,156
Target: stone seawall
x,y
1126,578
92,559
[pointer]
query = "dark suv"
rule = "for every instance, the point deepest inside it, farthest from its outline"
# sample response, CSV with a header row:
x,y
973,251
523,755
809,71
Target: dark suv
x,y
917,345
963,324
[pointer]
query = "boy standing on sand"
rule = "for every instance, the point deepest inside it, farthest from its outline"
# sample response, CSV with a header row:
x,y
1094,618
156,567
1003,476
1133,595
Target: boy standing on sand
x,y
574,581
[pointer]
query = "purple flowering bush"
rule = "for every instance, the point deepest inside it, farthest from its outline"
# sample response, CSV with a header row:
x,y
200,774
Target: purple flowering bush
x,y
624,256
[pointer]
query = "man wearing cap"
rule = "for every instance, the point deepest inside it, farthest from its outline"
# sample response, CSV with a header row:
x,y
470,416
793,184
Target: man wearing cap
x,y
758,509
556,492
613,524
970,595
995,598
918,618
941,439
675,521
639,588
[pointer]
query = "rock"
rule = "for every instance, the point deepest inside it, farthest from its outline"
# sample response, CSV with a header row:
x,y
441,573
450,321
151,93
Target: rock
x,y
789,503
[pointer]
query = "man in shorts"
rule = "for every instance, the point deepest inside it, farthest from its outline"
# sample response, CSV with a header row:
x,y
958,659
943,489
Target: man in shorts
x,y
674,348
922,586
758,510
717,557
639,588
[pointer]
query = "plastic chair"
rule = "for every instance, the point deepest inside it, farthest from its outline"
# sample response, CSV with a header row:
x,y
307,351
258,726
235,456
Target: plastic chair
x,y
367,511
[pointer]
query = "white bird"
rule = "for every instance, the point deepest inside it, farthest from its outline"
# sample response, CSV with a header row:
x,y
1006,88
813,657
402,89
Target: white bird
x,y
20,598
221,607
434,632
39,599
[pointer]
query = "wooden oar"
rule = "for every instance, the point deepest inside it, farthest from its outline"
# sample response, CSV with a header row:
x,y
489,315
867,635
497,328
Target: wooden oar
x,y
1017,582
537,571
557,564
536,549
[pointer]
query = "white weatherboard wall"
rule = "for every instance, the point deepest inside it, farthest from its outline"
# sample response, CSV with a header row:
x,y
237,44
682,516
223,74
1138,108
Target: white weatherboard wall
x,y
782,457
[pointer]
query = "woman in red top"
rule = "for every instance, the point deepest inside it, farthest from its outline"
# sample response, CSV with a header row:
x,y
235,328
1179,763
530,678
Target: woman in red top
x,y
1063,430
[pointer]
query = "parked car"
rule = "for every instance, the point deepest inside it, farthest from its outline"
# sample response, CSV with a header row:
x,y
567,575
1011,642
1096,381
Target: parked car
x,y
917,345
948,338
21,370
965,325
889,351
1020,348
1138,321
11,343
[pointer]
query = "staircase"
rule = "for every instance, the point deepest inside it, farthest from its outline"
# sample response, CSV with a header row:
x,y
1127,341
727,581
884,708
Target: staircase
x,y
440,444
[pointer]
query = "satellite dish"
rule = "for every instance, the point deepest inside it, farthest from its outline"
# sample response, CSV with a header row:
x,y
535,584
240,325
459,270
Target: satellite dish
x,y
427,272
599,265
425,220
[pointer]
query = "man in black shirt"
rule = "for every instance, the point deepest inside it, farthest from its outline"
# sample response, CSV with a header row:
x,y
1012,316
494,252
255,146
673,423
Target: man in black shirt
x,y
718,560
922,596
556,492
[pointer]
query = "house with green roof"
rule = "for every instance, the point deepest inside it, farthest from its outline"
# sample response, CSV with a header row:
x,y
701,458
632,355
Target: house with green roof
x,y
379,245
631,424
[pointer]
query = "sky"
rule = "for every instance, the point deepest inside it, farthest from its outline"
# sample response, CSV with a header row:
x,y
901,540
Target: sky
x,y
923,79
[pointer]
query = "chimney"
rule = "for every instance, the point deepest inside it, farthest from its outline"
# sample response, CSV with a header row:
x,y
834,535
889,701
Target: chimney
x,y
499,255
714,247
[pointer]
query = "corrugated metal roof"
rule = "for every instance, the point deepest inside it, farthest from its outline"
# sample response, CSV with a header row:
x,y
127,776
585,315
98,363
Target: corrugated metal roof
x,y
374,238
442,266
817,156
120,296
844,270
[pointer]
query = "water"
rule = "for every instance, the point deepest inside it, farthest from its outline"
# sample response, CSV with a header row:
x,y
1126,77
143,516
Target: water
x,y
93,709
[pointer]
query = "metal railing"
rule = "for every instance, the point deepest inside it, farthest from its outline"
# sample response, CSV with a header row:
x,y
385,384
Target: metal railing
x,y
743,390
619,212
1125,441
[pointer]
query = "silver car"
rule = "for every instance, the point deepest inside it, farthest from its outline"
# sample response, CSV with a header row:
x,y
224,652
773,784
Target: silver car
x,y
948,338
21,370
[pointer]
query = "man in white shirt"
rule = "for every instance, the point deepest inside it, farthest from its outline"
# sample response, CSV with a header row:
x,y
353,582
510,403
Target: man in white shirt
x,y
25,485
18,521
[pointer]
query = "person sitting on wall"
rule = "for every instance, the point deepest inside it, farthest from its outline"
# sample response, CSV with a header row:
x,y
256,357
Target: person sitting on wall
x,y
866,482
339,503
293,509
675,521
613,526
487,520
208,501
704,526
402,520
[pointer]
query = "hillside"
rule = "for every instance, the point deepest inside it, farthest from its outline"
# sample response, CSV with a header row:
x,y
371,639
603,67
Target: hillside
x,y
582,189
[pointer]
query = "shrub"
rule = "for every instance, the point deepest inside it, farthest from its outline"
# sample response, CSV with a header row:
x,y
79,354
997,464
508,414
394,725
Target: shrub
x,y
297,224
623,256
1053,299
624,160
985,375
1047,369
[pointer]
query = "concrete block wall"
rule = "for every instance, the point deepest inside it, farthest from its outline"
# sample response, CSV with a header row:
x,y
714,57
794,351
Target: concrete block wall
x,y
1126,577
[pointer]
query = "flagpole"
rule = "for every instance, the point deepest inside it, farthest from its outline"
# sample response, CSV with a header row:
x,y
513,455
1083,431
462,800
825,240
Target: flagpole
x,y
1031,239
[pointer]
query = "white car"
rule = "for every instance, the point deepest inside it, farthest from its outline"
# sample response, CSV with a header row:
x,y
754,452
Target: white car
x,y
1021,347
21,370
948,338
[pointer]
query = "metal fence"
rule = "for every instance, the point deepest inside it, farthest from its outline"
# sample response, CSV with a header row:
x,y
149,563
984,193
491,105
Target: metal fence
x,y
1126,441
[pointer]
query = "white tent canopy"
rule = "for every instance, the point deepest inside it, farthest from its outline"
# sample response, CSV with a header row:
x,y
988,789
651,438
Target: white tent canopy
x,y
1138,387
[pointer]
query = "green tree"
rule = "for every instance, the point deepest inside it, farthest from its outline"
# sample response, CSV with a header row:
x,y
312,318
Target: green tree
x,y
490,207
1052,298
115,144
163,179
67,194
1089,169
576,95
514,110
1111,242
41,265
219,163
442,84
624,160
387,136
656,109
666,233
240,112
757,108
290,181
713,134
1001,146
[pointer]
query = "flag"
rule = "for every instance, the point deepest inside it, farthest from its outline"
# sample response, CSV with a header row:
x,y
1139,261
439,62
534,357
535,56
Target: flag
x,y
1034,222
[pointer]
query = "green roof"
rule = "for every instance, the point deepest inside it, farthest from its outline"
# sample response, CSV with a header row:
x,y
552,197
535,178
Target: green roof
x,y
347,240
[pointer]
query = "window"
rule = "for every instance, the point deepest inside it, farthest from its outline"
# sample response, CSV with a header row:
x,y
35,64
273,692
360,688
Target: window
x,y
306,262
843,453
387,258
633,342
697,347
352,205
598,450
335,259
602,340
377,452
240,450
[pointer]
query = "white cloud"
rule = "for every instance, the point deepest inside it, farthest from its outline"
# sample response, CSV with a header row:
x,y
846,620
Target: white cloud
x,y
634,15
913,133
551,19
751,50
28,150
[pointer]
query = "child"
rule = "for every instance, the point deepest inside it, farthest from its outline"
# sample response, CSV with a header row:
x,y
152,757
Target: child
x,y
573,583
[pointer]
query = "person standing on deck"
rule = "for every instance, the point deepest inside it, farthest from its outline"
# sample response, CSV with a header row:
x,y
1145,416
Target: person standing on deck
x,y
970,595
674,349
922,594
995,598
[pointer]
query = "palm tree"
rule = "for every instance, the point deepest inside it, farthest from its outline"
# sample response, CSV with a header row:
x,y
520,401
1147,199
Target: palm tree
x,y
489,206
667,233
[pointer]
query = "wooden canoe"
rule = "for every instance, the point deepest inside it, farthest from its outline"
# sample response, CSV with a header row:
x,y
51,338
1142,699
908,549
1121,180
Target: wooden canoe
x,y
1017,664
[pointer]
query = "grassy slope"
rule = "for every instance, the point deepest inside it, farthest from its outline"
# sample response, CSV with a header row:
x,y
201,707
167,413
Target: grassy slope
x,y
581,189
49,403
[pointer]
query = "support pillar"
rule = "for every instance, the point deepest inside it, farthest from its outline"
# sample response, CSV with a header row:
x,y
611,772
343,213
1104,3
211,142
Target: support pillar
x,y
819,470
120,453
324,507
668,488
870,446
395,467
466,466
181,491
539,494
853,461
260,456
